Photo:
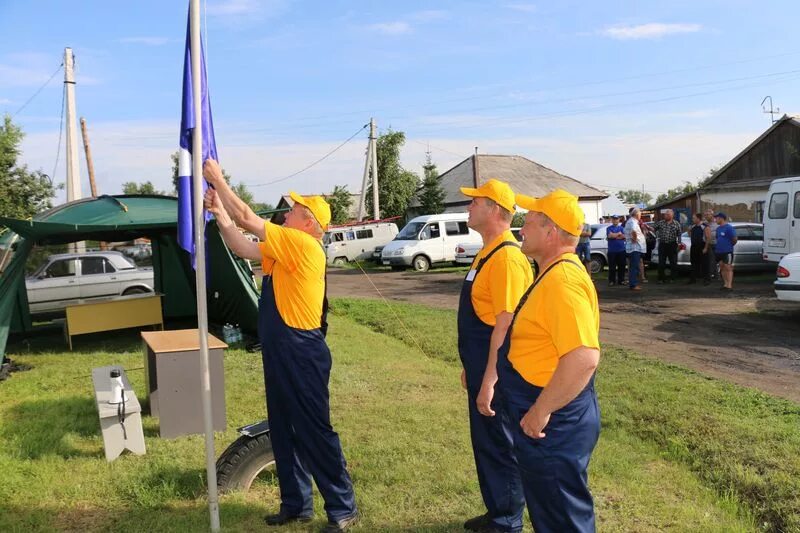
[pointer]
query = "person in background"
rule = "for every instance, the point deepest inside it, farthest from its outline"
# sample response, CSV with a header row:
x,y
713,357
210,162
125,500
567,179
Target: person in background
x,y
726,240
697,251
634,244
584,248
615,234
711,242
668,233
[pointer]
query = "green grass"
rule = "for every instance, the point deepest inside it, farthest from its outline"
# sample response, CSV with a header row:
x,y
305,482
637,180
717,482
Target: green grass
x,y
662,462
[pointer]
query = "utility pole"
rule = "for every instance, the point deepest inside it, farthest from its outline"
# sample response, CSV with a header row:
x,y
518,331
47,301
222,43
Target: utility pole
x,y
88,152
373,139
371,163
73,174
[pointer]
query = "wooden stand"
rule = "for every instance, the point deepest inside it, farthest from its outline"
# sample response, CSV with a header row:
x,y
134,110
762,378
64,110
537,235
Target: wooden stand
x,y
172,373
122,428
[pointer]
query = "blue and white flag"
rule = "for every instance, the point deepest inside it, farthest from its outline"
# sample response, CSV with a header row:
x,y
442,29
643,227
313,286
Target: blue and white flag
x,y
185,219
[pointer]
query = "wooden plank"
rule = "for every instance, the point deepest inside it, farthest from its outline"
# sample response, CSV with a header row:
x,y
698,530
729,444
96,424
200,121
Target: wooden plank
x,y
178,340
114,314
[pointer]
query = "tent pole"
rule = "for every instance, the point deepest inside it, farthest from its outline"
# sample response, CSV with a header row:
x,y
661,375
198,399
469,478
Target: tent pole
x,y
200,254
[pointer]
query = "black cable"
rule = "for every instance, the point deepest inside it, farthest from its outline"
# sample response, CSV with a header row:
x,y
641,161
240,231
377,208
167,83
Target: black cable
x,y
121,416
60,130
38,91
312,164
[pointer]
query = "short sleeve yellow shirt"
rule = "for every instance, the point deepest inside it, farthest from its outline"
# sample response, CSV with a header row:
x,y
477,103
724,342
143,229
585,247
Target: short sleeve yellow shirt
x,y
561,314
296,262
502,280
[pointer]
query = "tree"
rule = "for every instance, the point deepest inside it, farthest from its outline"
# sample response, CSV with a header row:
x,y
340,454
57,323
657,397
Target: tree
x,y
431,195
518,220
340,201
23,192
687,186
396,185
633,196
131,187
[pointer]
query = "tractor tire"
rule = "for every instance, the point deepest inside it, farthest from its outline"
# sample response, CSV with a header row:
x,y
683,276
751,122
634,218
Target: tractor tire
x,y
241,463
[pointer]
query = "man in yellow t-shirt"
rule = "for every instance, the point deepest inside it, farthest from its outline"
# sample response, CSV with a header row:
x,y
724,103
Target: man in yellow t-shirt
x,y
297,361
546,369
490,293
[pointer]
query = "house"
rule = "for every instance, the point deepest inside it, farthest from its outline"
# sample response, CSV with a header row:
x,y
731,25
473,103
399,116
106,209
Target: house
x,y
683,206
522,174
740,187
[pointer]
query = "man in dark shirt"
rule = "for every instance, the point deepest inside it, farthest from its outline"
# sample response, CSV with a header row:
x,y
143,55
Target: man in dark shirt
x,y
697,250
668,233
615,234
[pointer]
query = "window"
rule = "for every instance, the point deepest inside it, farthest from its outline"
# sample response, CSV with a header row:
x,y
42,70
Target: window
x,y
431,231
758,207
456,228
797,205
744,233
351,236
364,234
92,265
758,233
337,237
779,205
61,269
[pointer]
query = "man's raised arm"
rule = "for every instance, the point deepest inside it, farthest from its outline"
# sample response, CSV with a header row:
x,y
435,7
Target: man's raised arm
x,y
236,208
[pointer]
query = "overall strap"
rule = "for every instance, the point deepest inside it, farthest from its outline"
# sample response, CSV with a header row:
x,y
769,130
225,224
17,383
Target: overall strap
x,y
490,254
536,282
323,320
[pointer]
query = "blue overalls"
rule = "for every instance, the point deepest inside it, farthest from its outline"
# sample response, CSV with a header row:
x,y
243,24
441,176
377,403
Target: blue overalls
x,y
553,469
297,366
492,444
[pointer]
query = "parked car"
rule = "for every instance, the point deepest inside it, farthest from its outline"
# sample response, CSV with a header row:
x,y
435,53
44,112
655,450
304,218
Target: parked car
x,y
599,246
782,219
136,251
787,286
747,254
356,242
428,239
65,279
466,251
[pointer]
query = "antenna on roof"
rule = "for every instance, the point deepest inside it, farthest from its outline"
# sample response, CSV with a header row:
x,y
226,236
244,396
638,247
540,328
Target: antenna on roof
x,y
771,112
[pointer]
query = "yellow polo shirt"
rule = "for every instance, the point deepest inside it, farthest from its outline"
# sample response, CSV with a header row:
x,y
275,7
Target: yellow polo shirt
x,y
502,280
296,262
561,314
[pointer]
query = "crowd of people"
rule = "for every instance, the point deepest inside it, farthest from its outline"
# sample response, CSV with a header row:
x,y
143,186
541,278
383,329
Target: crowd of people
x,y
631,243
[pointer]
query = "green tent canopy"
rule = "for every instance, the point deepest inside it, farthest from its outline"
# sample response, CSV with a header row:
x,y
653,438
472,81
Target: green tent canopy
x,y
232,295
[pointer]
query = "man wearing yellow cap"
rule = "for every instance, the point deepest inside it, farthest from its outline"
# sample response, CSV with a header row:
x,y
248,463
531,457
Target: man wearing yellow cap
x,y
297,361
496,280
546,369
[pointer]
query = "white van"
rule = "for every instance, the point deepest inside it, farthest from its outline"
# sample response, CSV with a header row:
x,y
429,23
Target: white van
x,y
427,240
356,242
782,219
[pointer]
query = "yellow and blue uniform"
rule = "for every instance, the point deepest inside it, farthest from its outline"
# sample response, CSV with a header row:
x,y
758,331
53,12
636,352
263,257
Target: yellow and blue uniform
x,y
297,365
496,281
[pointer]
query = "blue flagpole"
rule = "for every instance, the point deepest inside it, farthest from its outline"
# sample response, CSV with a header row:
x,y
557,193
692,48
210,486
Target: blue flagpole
x,y
200,255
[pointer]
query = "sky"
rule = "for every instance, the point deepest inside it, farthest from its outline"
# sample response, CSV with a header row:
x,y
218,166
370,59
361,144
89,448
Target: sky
x,y
624,94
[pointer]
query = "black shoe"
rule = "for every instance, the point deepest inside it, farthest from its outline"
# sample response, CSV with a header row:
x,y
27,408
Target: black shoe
x,y
281,519
342,524
477,523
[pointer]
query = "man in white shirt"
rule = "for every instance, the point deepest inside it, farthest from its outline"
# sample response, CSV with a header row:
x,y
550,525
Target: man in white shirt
x,y
634,246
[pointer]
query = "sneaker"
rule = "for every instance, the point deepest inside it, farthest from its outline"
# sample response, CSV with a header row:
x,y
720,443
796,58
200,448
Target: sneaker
x,y
611,283
475,524
342,524
282,519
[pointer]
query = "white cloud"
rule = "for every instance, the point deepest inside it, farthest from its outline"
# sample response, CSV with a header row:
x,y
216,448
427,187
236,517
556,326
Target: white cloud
x,y
148,41
652,30
5,101
525,8
397,27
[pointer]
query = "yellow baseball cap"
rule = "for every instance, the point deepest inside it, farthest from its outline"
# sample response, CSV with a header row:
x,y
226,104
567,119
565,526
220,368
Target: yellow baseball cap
x,y
561,206
318,206
496,190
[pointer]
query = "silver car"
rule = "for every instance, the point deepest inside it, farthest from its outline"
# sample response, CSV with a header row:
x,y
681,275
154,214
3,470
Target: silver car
x,y
747,254
66,279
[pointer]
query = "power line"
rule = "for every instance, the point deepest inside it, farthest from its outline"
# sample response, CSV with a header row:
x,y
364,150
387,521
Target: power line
x,y
429,145
38,91
60,130
312,164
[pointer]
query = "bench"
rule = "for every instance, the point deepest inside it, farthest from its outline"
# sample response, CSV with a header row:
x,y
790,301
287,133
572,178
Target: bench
x,y
120,312
121,427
